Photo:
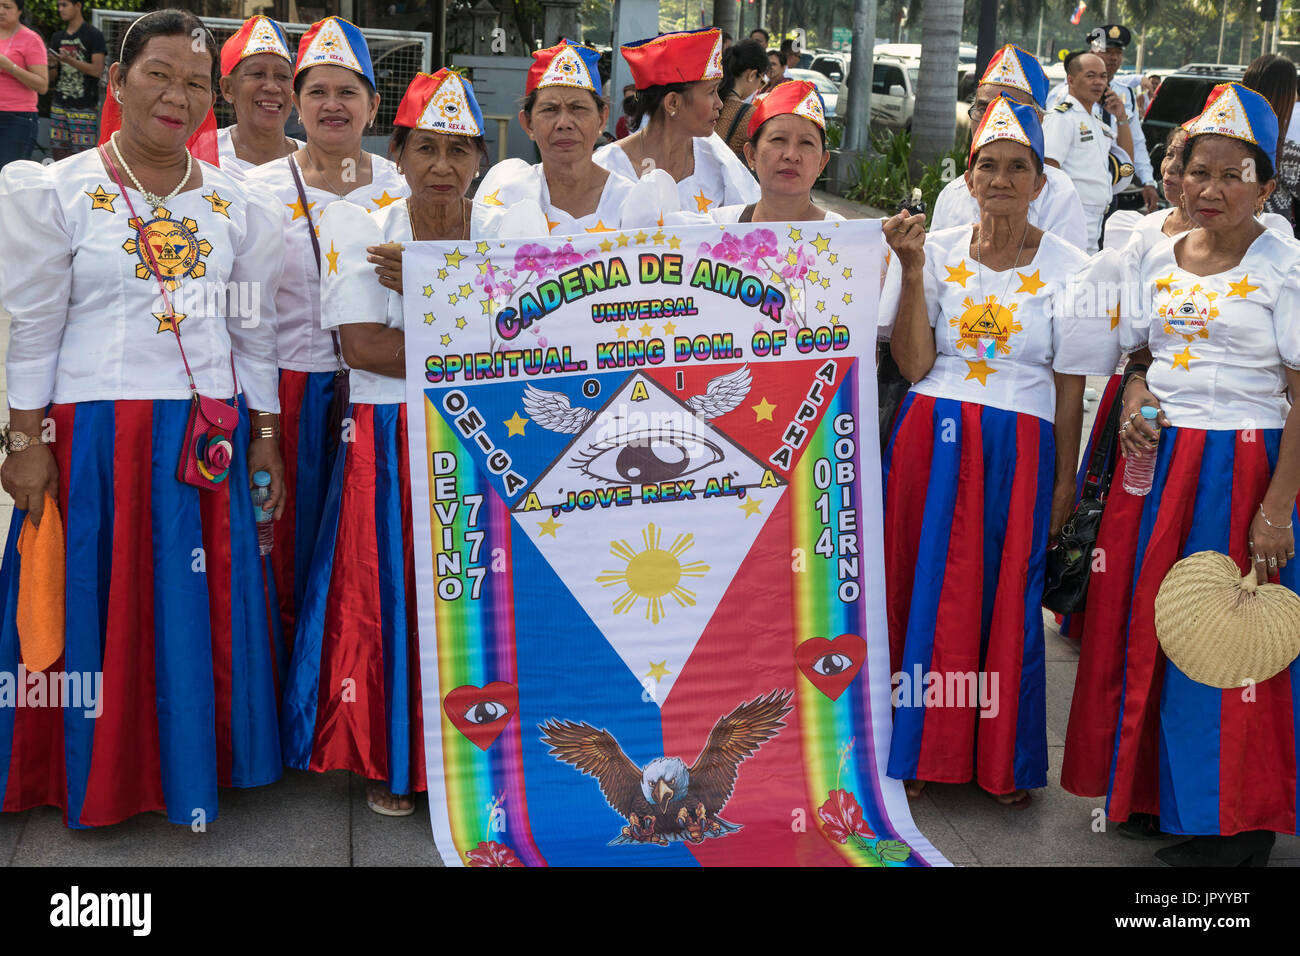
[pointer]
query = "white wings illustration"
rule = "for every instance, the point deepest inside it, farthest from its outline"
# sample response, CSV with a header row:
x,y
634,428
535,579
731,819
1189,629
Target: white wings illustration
x,y
552,410
724,393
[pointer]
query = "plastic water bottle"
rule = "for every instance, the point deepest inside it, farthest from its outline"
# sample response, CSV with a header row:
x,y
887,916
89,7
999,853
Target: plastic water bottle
x,y
1140,469
265,527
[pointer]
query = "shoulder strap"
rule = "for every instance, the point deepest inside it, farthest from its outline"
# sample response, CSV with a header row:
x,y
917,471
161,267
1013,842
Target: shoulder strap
x,y
735,120
1096,482
315,248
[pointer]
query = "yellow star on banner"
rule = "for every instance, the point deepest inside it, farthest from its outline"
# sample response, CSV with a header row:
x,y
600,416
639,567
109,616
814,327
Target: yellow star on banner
x,y
658,236
332,257
446,339
835,320
551,224
792,257
428,291
465,291
487,306
821,305
622,331
515,425
485,265
384,200
658,671
958,274
763,410
1241,288
442,273
218,204
980,370
606,245
821,244
795,234
298,211
102,199
428,318
670,329
826,283
641,237
1114,316
548,527
646,330
1165,284
454,258
622,240
775,278
1182,359
453,299
848,298
1031,284
833,257
460,322
847,273
814,277
492,199
165,323
481,248
751,507
601,227
702,202
675,242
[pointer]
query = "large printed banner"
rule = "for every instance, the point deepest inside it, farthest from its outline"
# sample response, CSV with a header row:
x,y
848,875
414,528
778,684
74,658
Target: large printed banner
x,y
648,548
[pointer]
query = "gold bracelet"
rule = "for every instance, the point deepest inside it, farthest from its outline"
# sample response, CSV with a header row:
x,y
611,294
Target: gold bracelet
x,y
266,431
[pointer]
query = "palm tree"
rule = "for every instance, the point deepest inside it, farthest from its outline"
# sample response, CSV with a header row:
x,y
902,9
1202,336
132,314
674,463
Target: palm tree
x,y
934,121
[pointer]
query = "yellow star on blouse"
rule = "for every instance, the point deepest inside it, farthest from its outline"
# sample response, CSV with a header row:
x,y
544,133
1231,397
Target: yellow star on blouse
x,y
102,199
551,224
1242,288
1182,359
821,243
332,257
492,199
515,425
980,370
218,204
165,320
958,274
795,234
454,258
1031,284
298,211
601,227
702,202
1165,284
606,245
481,248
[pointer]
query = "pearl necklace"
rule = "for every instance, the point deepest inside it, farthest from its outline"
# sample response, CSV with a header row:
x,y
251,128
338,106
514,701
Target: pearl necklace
x,y
153,199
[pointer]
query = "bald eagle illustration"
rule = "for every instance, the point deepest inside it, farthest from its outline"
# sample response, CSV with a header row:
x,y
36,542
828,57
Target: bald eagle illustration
x,y
666,801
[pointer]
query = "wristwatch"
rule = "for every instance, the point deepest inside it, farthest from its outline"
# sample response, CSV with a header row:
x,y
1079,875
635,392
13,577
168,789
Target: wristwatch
x,y
16,441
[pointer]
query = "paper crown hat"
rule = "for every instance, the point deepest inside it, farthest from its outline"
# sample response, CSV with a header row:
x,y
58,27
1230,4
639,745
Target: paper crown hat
x,y
1020,70
1239,112
685,57
1006,119
257,35
335,42
443,103
793,96
565,64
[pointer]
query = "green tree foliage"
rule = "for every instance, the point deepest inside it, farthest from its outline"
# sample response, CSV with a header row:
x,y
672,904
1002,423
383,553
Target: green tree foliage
x,y
44,14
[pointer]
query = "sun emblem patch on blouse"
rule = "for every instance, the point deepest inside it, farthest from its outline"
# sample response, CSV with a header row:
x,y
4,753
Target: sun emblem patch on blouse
x,y
1189,313
986,327
177,251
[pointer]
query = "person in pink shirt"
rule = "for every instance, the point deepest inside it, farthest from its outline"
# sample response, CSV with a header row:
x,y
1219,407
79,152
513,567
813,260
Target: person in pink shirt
x,y
23,76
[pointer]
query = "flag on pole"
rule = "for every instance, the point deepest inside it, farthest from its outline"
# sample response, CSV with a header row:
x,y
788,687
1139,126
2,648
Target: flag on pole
x,y
1078,13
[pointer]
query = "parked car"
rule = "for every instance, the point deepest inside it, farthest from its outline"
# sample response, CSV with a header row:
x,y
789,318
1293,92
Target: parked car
x,y
893,91
1181,96
833,65
829,89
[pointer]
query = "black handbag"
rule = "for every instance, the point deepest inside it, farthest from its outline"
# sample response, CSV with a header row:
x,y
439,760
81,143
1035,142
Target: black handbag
x,y
1069,560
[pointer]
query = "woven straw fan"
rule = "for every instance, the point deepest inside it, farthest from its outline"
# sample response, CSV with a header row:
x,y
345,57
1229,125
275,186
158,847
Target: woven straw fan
x,y
1224,630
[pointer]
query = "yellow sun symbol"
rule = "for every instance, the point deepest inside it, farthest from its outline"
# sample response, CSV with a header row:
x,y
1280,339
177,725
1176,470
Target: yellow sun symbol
x,y
177,252
652,573
987,320
1188,314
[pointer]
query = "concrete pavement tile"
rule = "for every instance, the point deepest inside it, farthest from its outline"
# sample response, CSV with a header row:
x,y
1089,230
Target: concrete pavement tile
x,y
11,830
931,822
300,821
1058,648
390,841
1060,690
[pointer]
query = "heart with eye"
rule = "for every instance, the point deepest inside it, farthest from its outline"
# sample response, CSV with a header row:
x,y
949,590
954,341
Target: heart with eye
x,y
481,713
831,665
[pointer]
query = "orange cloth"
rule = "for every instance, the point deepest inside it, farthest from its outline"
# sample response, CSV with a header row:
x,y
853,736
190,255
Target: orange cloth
x,y
41,584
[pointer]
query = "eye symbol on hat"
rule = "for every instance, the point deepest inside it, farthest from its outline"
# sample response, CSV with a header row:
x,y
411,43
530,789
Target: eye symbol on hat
x,y
566,67
451,109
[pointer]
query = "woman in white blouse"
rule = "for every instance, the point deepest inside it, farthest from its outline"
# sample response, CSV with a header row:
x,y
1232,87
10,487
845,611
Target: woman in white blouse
x,y
257,82
677,77
358,621
979,472
335,95
1214,346
164,596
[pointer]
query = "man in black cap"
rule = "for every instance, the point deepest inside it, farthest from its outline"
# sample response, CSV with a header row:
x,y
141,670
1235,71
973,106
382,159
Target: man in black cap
x,y
1119,103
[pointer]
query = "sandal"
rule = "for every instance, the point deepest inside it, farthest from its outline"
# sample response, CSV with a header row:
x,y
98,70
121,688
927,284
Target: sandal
x,y
913,788
377,794
1016,803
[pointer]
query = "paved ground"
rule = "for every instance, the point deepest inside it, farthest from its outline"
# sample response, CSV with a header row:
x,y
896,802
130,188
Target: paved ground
x,y
322,819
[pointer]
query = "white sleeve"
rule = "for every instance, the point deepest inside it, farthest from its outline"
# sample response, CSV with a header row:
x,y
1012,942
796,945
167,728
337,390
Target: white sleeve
x,y
1065,217
1279,224
1120,226
349,288
949,208
1141,157
1285,326
891,288
35,280
1135,300
258,263
1057,131
740,184
1085,316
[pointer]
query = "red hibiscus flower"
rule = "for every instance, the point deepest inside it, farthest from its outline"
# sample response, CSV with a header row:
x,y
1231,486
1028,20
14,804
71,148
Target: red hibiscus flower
x,y
492,854
842,817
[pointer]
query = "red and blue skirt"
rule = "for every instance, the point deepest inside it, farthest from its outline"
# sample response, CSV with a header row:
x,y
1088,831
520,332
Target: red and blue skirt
x,y
1208,761
165,614
968,494
352,698
308,462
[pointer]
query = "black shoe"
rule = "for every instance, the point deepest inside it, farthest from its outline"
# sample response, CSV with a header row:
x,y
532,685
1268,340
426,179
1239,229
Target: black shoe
x,y
1244,849
1141,826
